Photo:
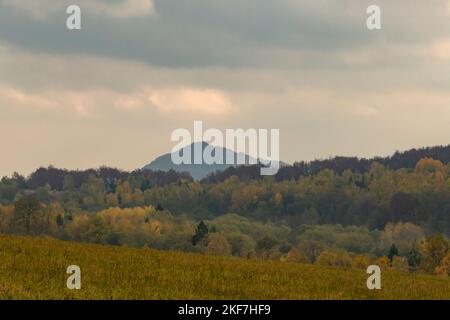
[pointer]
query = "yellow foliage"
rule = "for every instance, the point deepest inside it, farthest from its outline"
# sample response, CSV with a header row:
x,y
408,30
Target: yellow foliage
x,y
400,264
6,215
218,245
278,198
429,165
295,255
338,258
78,227
131,221
383,263
360,262
444,268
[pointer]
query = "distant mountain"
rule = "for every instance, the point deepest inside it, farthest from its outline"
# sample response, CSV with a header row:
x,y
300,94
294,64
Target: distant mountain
x,y
216,173
197,171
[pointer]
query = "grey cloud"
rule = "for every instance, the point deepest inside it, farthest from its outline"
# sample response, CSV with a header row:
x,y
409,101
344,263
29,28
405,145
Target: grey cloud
x,y
308,67
252,33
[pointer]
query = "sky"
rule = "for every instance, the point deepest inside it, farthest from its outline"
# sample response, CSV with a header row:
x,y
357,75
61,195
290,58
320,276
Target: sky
x,y
113,92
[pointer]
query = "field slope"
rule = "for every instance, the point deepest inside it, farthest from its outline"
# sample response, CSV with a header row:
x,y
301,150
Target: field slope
x,y
35,268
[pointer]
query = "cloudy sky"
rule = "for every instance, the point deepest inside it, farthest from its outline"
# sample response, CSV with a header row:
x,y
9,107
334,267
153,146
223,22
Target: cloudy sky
x,y
112,93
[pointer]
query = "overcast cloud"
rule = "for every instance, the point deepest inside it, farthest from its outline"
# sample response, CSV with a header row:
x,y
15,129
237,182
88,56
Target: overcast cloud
x,y
112,93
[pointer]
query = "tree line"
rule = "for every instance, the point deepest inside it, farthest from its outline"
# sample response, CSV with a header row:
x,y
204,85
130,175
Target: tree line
x,y
327,218
399,160
403,247
372,199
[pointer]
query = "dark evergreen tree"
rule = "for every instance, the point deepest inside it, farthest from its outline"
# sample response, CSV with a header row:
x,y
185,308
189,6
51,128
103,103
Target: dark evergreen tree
x,y
393,251
200,233
59,220
414,257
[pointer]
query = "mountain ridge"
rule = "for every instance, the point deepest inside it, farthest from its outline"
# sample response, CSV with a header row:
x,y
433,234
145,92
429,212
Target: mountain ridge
x,y
400,159
197,171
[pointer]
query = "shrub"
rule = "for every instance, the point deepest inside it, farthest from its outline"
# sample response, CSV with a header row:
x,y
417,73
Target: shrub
x,y
338,258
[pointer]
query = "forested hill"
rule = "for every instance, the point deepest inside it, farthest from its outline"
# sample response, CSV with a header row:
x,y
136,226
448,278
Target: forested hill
x,y
360,212
56,178
406,159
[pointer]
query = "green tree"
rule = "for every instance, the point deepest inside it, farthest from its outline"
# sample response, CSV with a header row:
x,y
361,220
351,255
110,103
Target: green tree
x,y
59,220
113,239
241,244
311,248
200,233
414,257
97,231
266,243
28,212
218,245
393,251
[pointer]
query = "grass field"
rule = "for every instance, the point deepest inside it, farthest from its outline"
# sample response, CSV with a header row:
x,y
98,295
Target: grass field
x,y
35,268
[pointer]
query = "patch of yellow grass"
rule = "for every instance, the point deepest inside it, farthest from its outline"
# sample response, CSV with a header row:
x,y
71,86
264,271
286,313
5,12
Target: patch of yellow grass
x,y
35,268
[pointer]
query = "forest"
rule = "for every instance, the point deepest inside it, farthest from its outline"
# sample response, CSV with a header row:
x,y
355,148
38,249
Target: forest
x,y
396,217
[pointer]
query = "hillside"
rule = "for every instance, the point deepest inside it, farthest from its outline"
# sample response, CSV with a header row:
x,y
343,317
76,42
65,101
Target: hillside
x,y
35,268
197,171
339,164
220,172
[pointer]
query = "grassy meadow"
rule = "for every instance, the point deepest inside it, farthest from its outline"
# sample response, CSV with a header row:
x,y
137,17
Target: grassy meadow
x,y
35,268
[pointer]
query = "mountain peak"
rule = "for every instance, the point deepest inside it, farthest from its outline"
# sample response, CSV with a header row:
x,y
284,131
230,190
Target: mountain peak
x,y
197,171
